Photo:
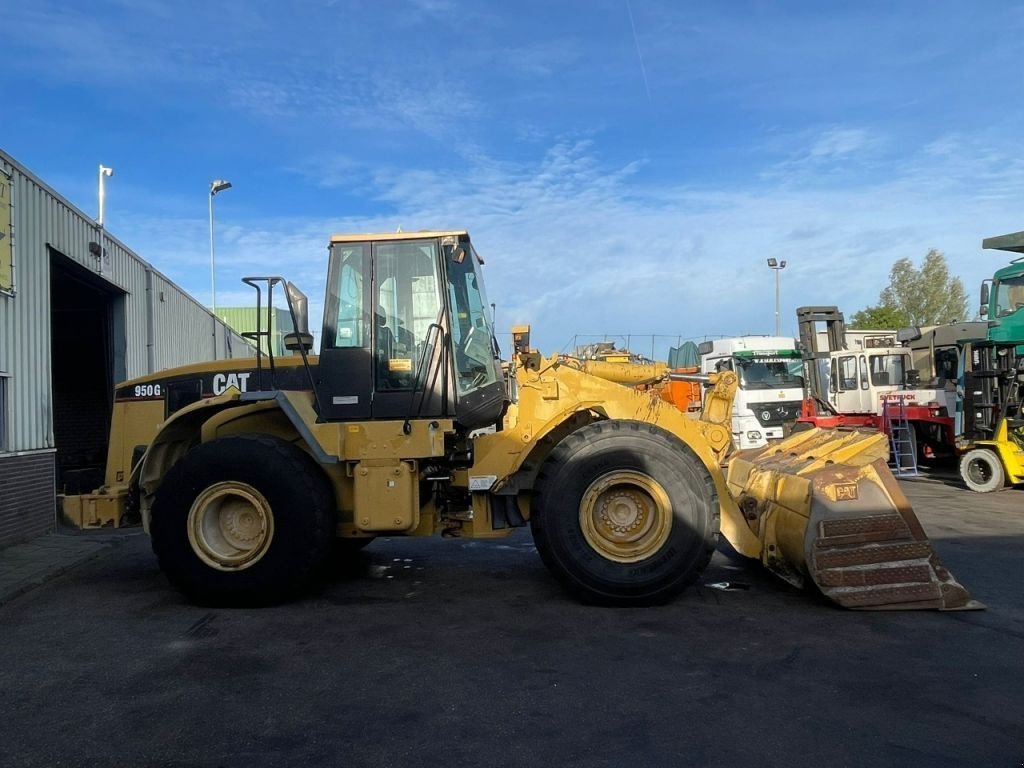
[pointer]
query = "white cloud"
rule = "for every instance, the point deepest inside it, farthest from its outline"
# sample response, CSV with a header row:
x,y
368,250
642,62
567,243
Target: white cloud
x,y
840,142
575,247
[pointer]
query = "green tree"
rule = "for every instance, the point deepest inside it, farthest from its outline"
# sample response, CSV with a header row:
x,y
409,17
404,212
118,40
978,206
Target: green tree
x,y
879,318
917,296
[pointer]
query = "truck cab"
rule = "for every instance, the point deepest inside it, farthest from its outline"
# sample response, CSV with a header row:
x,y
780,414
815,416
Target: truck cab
x,y
874,372
1002,296
770,385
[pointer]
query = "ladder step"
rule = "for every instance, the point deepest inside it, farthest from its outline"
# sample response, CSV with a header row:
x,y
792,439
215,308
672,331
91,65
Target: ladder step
x,y
902,445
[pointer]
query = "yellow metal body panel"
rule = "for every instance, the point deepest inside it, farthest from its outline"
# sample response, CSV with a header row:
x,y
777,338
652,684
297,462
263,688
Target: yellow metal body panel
x,y
386,496
132,424
350,441
93,510
620,371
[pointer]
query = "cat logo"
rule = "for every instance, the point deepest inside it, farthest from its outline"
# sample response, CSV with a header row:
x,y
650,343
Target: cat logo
x,y
221,382
845,491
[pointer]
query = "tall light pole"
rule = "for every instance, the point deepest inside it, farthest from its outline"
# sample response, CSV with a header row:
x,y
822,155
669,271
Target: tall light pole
x,y
105,173
217,185
777,266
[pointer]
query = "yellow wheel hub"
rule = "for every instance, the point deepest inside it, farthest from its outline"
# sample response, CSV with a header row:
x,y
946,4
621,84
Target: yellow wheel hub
x,y
230,526
626,516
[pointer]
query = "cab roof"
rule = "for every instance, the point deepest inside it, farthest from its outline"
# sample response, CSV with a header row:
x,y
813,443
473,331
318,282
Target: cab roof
x,y
422,234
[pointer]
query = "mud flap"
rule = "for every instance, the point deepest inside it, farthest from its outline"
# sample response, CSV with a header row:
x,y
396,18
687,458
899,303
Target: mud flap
x,y
827,509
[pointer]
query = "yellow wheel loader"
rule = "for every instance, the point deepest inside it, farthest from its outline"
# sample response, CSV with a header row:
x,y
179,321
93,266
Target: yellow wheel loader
x,y
407,423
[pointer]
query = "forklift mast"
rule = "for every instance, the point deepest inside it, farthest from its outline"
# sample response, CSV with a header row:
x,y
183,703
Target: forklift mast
x,y
992,388
835,328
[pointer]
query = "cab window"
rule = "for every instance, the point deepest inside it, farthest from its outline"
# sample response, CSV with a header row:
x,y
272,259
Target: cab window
x,y
848,373
887,370
407,303
345,317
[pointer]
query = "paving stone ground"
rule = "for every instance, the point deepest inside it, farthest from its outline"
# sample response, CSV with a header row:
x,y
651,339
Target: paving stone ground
x,y
32,563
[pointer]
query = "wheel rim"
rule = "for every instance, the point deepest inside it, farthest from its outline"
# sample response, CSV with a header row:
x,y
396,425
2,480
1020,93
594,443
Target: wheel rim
x,y
626,516
230,526
979,471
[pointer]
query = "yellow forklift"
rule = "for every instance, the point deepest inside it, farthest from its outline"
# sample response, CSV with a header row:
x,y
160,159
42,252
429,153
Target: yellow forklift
x,y
991,444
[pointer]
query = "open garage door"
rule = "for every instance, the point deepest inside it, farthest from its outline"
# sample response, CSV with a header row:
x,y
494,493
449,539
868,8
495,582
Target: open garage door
x,y
87,347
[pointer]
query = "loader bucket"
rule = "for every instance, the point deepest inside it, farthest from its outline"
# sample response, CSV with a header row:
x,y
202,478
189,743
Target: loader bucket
x,y
826,508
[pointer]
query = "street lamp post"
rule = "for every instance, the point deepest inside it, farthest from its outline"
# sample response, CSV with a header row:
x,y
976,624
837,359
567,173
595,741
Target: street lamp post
x,y
105,173
217,185
777,266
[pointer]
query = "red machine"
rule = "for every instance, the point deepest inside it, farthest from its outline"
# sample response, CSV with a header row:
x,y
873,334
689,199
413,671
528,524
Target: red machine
x,y
872,386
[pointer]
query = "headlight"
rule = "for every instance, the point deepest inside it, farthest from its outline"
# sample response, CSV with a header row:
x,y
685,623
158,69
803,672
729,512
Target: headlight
x,y
753,435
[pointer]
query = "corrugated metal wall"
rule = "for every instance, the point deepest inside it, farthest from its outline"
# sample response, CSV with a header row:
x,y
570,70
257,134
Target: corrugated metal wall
x,y
160,333
244,319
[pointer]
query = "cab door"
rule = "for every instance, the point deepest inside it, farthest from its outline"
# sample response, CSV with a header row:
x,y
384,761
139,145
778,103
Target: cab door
x,y
345,376
411,376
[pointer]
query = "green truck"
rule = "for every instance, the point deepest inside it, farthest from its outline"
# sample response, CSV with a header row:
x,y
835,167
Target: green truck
x,y
1002,296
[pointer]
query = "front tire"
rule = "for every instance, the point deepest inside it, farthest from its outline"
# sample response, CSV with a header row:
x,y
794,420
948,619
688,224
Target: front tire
x,y
982,470
624,513
242,520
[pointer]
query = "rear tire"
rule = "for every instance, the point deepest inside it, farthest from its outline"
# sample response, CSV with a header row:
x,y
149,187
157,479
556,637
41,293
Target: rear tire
x,y
624,513
982,470
242,520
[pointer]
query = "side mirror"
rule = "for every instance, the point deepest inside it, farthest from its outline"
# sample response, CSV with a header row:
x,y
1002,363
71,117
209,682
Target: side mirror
x,y
300,338
984,299
299,305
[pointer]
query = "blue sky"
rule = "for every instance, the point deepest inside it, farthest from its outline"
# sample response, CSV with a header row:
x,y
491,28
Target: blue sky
x,y
623,167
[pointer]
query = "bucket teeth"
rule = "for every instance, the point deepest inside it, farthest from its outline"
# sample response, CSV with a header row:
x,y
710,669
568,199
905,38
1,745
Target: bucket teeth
x,y
827,509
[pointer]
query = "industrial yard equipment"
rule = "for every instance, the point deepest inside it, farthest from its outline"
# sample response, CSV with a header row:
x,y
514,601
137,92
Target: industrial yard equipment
x,y
408,423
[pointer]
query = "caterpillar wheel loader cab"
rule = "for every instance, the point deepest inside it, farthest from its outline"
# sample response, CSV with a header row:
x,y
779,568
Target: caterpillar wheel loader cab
x,y
407,423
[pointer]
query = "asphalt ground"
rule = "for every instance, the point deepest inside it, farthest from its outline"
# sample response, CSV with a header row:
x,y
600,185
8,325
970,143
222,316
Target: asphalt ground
x,y
461,653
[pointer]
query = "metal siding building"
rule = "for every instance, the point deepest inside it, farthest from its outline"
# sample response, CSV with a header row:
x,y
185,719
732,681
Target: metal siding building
x,y
79,311
244,319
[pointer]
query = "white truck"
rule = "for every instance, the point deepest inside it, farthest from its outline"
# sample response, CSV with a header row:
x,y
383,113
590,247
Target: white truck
x,y
771,385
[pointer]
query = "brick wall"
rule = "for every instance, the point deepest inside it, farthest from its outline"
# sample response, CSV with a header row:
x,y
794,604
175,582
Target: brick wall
x,y
27,500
